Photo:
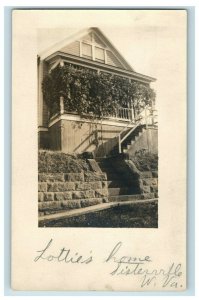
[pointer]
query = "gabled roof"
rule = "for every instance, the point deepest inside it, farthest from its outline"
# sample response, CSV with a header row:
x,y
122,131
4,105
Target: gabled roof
x,y
68,45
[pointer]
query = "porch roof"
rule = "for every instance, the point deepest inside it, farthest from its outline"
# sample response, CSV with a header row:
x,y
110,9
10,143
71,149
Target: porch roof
x,y
55,58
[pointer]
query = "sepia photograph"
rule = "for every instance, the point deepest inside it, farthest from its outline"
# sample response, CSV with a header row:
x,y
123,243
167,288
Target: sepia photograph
x,y
99,150
97,133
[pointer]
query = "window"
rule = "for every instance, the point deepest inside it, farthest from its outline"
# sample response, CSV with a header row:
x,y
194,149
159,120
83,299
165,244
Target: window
x,y
99,54
87,51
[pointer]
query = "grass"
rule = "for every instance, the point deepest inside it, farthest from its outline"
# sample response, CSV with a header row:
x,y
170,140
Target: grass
x,y
137,215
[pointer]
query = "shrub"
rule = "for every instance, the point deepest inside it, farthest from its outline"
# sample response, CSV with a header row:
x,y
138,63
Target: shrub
x,y
145,161
58,162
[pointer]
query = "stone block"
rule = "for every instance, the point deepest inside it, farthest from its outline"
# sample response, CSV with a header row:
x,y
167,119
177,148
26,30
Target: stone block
x,y
48,196
96,185
146,174
40,197
154,181
105,200
70,204
90,194
148,196
89,176
90,202
52,177
42,187
49,205
145,189
104,184
74,177
154,189
63,196
94,165
61,186
146,181
101,193
155,174
82,186
78,195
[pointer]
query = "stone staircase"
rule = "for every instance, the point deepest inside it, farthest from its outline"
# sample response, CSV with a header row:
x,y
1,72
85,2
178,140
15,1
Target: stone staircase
x,y
120,188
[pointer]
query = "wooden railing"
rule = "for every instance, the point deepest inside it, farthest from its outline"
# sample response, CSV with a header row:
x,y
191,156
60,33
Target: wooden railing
x,y
147,116
124,114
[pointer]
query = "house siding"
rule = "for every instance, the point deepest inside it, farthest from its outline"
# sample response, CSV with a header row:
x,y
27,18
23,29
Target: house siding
x,y
80,136
73,48
112,60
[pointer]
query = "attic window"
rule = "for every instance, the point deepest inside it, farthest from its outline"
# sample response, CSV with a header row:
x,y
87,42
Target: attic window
x,y
99,54
87,51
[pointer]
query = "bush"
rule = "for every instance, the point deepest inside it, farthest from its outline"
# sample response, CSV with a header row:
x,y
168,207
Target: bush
x,y
145,161
58,162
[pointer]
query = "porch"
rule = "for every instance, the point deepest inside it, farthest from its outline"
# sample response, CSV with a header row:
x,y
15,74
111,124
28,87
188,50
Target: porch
x,y
71,133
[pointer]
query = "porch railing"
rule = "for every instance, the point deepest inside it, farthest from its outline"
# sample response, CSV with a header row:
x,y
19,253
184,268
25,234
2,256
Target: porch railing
x,y
148,117
127,114
123,113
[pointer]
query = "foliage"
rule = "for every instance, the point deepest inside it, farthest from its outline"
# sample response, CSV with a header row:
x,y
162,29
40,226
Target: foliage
x,y
59,162
86,91
145,161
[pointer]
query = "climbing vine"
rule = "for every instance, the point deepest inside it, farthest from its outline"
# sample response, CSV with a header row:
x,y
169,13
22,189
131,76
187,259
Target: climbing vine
x,y
88,92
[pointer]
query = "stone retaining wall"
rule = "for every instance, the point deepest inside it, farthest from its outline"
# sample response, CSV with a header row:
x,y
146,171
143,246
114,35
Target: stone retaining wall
x,y
64,191
149,182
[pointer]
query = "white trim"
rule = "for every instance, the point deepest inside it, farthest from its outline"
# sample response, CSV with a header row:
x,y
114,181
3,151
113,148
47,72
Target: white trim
x,y
78,36
39,93
95,65
71,117
55,64
40,128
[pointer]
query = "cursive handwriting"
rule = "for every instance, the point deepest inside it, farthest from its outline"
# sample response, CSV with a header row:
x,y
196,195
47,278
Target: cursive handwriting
x,y
63,255
127,260
140,266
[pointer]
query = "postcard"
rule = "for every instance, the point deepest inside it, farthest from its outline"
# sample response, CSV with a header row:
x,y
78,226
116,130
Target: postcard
x,y
99,150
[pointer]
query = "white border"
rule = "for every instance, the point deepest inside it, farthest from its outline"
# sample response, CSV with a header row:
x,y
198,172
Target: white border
x,y
104,3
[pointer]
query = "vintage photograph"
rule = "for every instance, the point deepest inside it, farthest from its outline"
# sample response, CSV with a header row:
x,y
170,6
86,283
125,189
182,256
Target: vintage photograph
x,y
99,150
97,132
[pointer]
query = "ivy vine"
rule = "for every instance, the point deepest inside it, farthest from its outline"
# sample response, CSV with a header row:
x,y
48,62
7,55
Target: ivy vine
x,y
88,92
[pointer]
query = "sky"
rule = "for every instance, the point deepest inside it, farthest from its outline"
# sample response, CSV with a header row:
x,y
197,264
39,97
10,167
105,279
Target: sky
x,y
150,41
131,43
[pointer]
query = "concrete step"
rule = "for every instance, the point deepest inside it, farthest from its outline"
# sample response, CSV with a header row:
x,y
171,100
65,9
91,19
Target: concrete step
x,y
131,197
118,198
118,191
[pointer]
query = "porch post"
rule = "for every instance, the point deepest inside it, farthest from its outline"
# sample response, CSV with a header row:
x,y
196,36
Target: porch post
x,y
132,113
61,105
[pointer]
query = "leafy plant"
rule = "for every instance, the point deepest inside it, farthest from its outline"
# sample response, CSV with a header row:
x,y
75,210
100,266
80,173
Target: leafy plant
x,y
88,92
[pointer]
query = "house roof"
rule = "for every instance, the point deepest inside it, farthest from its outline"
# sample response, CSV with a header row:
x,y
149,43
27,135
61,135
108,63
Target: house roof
x,y
69,45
